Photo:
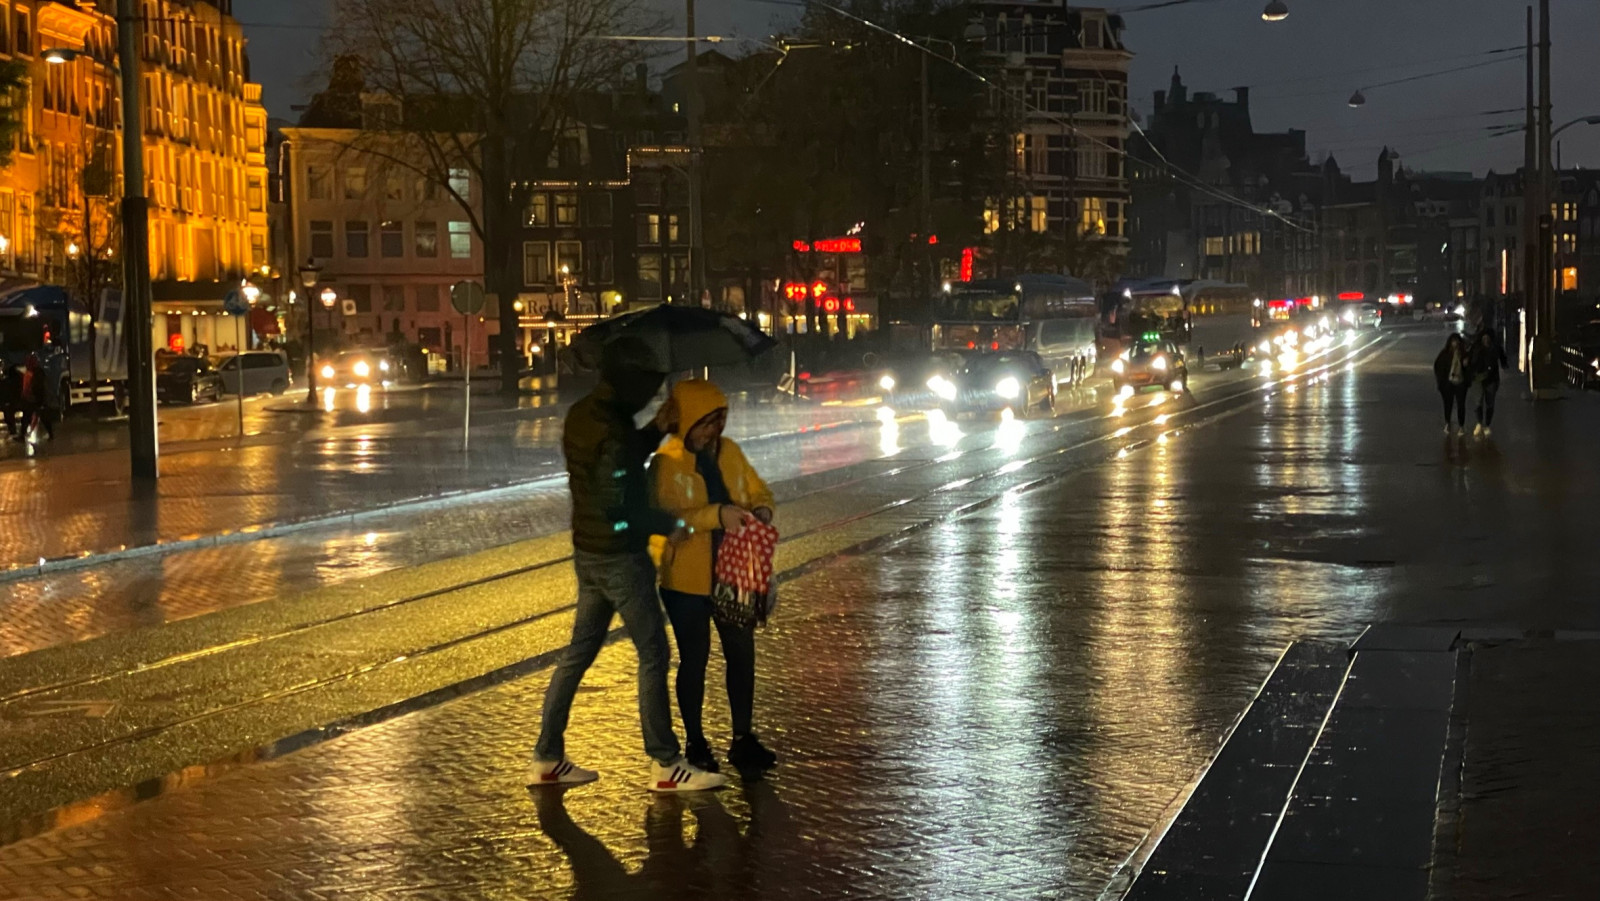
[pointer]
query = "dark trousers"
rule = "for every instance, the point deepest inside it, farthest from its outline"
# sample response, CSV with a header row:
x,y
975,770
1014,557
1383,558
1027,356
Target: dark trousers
x,y
691,626
1454,396
1486,392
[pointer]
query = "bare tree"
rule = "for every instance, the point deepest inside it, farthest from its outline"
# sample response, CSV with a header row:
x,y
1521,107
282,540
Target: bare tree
x,y
485,87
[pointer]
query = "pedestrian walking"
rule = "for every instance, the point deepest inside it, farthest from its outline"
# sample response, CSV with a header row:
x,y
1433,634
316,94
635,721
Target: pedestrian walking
x,y
705,479
612,521
1450,371
1485,360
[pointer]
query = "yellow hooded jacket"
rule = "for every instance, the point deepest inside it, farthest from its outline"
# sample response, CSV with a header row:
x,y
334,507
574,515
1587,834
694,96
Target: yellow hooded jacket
x,y
677,488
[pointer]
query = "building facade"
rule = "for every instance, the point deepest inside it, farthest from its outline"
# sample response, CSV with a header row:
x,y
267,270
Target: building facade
x,y
1064,71
389,243
204,136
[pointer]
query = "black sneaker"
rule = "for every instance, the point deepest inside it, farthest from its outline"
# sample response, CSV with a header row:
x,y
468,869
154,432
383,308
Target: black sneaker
x,y
699,755
748,753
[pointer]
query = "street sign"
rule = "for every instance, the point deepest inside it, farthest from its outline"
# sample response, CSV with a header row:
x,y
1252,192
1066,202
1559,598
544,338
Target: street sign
x,y
467,298
234,302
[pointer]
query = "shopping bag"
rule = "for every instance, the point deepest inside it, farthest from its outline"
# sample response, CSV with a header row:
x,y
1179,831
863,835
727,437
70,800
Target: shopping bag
x,y
742,589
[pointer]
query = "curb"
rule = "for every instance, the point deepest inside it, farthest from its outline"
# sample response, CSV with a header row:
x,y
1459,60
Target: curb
x,y
51,565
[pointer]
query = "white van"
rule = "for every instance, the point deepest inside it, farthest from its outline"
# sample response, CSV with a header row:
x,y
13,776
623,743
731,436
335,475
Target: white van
x,y
261,372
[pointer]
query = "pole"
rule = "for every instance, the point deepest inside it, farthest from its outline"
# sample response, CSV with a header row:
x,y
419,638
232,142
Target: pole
x,y
238,343
143,442
1530,210
924,284
466,354
1544,309
692,101
311,348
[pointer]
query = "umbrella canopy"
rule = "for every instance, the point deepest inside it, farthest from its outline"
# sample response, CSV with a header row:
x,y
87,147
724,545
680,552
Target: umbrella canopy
x,y
682,338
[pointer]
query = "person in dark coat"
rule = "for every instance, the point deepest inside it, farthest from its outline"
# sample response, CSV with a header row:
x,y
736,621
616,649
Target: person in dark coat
x,y
1484,361
612,521
1451,373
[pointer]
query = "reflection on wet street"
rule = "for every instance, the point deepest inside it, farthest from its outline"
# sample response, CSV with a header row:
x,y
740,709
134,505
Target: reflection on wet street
x,y
1002,649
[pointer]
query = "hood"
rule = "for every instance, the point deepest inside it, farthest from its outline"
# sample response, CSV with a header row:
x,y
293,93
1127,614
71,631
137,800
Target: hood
x,y
697,399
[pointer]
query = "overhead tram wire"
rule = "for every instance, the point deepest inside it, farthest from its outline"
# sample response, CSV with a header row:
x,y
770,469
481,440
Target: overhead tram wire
x,y
1191,180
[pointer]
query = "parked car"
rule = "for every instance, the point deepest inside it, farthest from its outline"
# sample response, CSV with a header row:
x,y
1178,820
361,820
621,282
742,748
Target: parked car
x,y
186,380
259,372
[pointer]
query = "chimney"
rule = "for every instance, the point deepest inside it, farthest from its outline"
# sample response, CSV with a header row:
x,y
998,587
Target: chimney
x,y
1241,97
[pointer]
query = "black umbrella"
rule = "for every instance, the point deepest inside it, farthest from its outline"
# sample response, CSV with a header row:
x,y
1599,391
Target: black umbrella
x,y
682,338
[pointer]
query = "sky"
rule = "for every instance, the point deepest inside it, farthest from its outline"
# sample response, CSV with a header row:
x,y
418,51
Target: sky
x,y
1301,70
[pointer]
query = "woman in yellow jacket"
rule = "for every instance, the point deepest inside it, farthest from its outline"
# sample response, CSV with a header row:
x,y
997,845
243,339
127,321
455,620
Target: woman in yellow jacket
x,y
705,480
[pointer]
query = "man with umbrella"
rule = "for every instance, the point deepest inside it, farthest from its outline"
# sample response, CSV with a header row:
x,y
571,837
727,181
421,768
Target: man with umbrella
x,y
612,521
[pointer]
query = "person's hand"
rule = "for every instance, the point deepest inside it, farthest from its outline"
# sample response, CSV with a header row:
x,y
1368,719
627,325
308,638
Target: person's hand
x,y
667,416
733,518
678,536
764,514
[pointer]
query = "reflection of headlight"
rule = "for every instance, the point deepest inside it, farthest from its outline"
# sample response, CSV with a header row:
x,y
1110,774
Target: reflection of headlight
x,y
362,369
1159,364
1461,310
1007,387
942,387
886,383
383,365
327,372
1266,347
1349,316
1117,366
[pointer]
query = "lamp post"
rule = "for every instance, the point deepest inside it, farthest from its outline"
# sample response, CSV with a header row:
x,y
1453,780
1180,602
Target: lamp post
x,y
1276,11
143,441
308,280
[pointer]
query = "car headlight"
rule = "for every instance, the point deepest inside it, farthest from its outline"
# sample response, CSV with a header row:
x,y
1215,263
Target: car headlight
x,y
1266,347
1461,310
383,365
1159,364
1007,388
361,369
1117,366
327,372
886,383
942,388
1349,316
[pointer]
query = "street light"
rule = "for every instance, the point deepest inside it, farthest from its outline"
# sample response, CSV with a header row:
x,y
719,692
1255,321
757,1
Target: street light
x,y
1358,99
329,298
1276,11
1581,120
308,280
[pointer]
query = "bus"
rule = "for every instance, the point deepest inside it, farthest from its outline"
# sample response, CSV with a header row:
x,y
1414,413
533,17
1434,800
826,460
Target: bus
x,y
1136,309
1051,315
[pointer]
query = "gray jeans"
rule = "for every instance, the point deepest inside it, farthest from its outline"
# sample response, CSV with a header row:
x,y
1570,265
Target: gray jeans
x,y
613,584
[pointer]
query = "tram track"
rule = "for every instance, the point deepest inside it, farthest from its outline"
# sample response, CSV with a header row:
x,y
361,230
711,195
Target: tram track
x,y
1194,413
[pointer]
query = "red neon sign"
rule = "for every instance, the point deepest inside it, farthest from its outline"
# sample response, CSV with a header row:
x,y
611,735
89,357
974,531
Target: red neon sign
x,y
830,305
175,343
837,245
802,247
819,288
794,292
933,239
966,264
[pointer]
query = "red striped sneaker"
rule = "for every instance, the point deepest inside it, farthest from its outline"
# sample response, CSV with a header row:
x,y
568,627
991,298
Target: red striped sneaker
x,y
681,776
561,772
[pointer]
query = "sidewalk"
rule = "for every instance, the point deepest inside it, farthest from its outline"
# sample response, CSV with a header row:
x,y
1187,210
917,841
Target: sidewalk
x,y
85,504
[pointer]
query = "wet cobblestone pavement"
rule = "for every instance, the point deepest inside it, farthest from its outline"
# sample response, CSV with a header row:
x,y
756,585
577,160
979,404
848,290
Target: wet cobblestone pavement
x,y
997,706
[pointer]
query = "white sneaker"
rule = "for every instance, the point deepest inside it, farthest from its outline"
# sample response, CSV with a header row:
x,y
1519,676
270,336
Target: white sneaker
x,y
561,772
1478,430
1449,430
680,776
1487,431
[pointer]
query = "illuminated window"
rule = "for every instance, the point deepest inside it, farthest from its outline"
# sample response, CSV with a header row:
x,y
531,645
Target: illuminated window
x,y
991,218
569,258
1020,151
538,212
427,239
460,240
1216,246
461,184
355,183
1569,278
566,209
1093,215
